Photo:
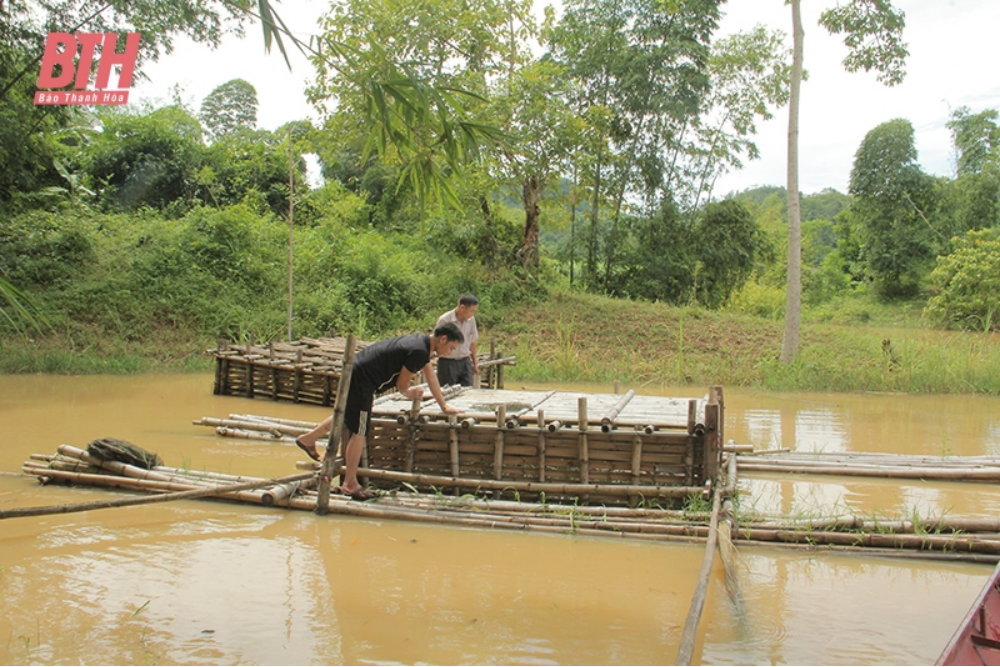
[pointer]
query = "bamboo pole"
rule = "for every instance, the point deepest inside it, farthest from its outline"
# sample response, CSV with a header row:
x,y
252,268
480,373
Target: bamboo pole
x,y
727,552
499,442
125,502
272,420
535,487
247,425
136,484
541,446
712,449
608,421
262,436
584,449
689,635
340,403
413,434
973,474
514,420
453,447
636,465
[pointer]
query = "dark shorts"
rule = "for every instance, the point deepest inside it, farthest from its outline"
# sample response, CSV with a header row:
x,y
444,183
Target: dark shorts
x,y
455,371
358,411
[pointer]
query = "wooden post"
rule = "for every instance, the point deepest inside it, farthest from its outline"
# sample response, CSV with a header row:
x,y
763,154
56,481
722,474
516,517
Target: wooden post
x,y
713,448
413,435
453,446
274,371
249,375
224,363
297,385
327,390
636,464
541,446
584,449
491,372
498,446
618,387
692,422
340,405
716,392
219,347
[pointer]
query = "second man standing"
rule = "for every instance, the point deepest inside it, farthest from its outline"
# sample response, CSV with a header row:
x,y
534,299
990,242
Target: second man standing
x,y
460,366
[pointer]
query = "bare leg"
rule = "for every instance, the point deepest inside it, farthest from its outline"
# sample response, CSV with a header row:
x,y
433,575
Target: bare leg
x,y
352,457
312,437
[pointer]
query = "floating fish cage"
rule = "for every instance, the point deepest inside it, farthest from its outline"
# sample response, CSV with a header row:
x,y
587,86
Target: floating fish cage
x,y
553,446
304,371
556,447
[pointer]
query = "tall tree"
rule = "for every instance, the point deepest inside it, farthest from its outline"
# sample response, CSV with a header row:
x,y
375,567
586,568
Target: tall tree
x,y
750,76
434,58
228,109
892,206
640,69
873,34
976,190
26,151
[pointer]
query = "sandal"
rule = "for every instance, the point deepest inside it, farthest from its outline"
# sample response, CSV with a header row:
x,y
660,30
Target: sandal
x,y
360,494
311,453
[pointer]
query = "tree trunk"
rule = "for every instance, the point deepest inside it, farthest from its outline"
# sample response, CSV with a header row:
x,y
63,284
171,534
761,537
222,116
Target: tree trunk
x,y
488,242
793,302
530,194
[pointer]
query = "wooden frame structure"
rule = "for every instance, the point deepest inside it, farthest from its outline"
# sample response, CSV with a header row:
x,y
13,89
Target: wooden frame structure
x,y
304,371
561,447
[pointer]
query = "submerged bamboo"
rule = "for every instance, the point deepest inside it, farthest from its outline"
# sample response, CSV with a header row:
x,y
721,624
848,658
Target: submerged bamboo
x,y
686,649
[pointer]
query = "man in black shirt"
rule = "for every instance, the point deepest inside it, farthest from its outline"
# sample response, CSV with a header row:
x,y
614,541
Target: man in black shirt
x,y
377,368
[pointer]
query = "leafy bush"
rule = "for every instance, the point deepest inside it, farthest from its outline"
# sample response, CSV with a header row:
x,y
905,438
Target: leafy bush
x,y
759,300
43,249
969,283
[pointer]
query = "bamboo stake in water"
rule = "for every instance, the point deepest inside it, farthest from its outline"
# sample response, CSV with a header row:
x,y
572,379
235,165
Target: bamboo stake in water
x,y
701,590
340,404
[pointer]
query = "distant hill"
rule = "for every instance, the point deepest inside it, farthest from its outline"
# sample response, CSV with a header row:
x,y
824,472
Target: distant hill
x,y
824,205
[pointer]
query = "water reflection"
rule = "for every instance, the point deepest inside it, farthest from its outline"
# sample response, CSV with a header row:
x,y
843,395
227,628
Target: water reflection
x,y
220,583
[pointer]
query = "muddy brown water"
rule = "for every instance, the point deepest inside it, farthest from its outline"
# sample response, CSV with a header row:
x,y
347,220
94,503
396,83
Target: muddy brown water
x,y
207,582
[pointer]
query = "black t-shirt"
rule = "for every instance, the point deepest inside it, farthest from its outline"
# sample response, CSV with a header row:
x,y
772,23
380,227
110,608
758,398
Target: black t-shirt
x,y
381,362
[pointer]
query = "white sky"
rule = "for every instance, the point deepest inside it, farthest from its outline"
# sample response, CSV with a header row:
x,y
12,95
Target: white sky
x,y
953,62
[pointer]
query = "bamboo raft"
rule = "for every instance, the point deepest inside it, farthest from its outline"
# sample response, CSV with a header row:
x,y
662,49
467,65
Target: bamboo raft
x,y
954,538
870,464
307,370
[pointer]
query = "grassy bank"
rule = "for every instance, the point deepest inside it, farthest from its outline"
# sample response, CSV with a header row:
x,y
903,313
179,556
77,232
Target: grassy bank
x,y
167,351
585,338
575,337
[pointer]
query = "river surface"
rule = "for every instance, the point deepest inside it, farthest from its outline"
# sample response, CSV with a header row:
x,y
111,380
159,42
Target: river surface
x,y
203,582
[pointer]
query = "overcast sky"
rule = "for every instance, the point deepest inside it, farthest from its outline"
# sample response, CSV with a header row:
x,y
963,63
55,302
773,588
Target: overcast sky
x,y
953,62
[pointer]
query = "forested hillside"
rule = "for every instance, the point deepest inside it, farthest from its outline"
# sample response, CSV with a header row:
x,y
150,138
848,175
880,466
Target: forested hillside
x,y
528,161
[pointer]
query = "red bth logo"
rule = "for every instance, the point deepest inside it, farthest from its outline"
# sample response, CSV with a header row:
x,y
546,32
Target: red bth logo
x,y
59,70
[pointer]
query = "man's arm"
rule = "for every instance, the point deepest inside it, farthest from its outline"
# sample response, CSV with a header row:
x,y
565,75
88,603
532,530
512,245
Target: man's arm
x,y
403,383
435,387
475,358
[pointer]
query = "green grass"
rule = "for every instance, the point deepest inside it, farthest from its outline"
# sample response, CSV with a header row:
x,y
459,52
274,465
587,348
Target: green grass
x,y
586,338
573,337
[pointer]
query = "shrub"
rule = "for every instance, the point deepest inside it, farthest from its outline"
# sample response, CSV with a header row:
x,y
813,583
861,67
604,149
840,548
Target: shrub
x,y
969,283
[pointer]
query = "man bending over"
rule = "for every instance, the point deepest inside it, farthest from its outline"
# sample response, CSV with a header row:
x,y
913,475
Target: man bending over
x,y
377,368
